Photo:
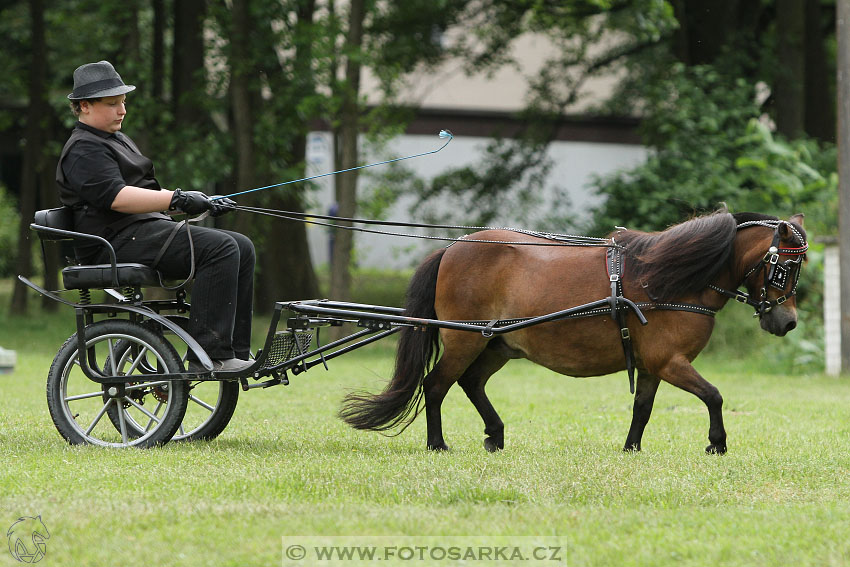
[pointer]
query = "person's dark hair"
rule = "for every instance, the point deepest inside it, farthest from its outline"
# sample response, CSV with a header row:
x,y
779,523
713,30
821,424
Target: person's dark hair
x,y
75,105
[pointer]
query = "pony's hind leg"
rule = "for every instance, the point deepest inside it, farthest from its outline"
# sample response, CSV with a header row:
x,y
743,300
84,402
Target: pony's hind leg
x,y
473,382
647,386
460,349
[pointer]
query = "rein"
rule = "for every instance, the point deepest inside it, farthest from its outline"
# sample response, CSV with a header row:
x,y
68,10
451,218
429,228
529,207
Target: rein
x,y
553,238
776,274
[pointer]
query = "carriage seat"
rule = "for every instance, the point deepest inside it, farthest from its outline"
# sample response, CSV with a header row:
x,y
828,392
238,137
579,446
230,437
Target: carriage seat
x,y
99,276
57,224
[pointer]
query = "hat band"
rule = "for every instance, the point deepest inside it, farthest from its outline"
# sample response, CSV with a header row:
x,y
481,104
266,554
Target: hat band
x,y
97,86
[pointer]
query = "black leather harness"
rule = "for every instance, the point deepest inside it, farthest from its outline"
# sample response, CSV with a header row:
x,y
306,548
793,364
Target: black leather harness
x,y
776,275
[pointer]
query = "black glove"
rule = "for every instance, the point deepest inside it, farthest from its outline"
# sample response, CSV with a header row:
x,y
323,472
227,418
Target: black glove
x,y
190,202
221,205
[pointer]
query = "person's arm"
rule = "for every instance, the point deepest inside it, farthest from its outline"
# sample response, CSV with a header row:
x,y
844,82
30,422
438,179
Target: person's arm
x,y
132,200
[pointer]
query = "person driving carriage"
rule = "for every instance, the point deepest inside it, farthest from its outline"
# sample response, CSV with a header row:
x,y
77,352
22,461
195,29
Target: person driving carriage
x,y
114,193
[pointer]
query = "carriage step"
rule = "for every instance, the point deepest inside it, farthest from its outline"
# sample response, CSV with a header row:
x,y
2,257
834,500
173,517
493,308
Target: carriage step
x,y
287,345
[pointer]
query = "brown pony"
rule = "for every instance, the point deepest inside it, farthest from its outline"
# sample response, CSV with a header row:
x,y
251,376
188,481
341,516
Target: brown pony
x,y
701,262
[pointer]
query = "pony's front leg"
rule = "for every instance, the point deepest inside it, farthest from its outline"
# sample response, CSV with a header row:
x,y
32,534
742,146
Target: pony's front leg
x,y
647,386
680,373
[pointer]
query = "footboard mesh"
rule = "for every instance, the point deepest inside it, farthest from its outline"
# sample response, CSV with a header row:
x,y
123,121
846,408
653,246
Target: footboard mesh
x,y
286,345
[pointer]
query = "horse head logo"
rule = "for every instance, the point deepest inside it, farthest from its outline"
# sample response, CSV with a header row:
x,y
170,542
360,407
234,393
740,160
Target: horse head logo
x,y
28,539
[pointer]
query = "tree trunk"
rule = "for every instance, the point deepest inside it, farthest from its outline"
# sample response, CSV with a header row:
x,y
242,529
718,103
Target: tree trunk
x,y
788,85
346,184
819,109
188,62
33,163
158,51
240,94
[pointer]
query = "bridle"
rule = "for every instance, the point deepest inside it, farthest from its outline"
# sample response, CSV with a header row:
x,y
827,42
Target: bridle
x,y
776,273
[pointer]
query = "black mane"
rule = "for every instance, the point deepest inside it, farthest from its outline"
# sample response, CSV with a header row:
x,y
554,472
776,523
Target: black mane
x,y
683,259
747,217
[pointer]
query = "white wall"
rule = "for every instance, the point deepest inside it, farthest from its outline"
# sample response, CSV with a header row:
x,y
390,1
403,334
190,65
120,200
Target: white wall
x,y
832,310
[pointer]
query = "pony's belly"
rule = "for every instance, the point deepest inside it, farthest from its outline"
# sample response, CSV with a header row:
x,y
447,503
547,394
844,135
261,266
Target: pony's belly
x,y
589,347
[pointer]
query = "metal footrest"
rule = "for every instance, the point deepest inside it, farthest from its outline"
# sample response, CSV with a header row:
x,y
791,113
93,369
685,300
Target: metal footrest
x,y
288,344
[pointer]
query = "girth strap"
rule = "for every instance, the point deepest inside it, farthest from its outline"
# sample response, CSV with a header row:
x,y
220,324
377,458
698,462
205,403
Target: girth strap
x,y
614,259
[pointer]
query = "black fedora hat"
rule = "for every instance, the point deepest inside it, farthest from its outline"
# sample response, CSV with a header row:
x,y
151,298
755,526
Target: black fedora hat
x,y
96,80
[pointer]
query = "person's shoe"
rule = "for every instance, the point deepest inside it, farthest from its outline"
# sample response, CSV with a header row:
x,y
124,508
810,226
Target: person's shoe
x,y
221,365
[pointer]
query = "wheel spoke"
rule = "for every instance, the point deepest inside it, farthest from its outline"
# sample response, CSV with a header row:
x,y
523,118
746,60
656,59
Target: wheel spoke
x,y
123,421
99,415
136,361
141,409
83,396
202,403
156,413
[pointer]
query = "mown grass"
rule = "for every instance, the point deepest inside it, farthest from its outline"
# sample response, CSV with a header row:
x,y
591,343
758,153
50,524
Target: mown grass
x,y
286,466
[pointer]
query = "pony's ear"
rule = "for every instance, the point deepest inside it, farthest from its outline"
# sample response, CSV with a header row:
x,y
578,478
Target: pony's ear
x,y
798,218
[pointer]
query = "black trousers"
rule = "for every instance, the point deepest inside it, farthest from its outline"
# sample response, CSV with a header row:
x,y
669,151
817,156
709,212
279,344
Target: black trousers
x,y
223,288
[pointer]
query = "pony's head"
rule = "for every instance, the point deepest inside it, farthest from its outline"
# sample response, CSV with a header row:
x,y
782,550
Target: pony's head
x,y
771,263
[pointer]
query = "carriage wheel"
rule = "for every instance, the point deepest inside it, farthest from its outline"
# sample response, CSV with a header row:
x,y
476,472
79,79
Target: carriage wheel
x,y
210,407
78,405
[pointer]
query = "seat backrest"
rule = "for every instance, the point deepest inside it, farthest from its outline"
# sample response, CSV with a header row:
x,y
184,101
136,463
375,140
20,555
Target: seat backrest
x,y
60,217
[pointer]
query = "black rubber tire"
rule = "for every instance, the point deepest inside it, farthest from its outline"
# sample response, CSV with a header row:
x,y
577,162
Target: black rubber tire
x,y
216,423
76,424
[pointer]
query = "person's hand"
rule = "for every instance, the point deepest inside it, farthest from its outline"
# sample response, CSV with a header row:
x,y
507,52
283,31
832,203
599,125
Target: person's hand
x,y
190,202
221,205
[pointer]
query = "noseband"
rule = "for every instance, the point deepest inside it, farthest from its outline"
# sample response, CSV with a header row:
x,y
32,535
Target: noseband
x,y
776,274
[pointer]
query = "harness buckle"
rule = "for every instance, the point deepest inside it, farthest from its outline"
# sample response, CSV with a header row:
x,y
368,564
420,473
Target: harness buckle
x,y
624,334
741,298
614,277
772,256
781,300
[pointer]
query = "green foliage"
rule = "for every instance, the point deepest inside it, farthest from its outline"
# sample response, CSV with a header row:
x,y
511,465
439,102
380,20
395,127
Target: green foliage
x,y
782,177
9,221
692,122
710,147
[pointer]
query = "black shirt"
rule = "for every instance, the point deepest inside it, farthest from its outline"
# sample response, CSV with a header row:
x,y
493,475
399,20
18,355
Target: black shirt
x,y
94,166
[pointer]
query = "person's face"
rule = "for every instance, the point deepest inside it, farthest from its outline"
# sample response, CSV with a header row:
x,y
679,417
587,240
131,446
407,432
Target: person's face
x,y
105,114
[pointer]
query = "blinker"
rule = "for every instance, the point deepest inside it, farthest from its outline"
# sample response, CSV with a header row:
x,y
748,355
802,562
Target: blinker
x,y
778,276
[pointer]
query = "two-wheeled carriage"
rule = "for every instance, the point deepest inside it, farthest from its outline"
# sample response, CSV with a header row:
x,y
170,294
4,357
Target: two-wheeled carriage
x,y
122,378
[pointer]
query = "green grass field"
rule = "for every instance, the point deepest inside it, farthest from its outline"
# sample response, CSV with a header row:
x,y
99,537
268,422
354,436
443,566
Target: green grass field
x,y
286,466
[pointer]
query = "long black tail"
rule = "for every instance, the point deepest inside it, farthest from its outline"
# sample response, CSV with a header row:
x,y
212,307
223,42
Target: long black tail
x,y
401,400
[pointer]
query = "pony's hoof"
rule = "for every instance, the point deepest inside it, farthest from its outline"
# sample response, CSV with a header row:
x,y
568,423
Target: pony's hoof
x,y
633,448
716,449
492,445
440,447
